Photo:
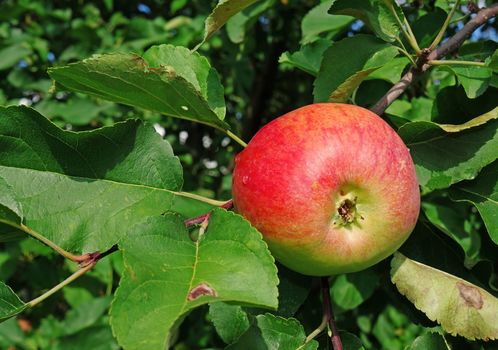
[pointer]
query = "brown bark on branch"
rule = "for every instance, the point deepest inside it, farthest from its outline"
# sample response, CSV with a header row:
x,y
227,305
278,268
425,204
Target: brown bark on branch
x,y
449,46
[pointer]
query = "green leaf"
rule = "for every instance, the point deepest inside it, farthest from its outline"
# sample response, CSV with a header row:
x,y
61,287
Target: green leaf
x,y
10,208
350,341
221,14
391,71
308,58
192,67
239,24
76,111
445,154
172,88
450,220
348,291
342,92
483,193
346,63
84,190
452,105
230,321
10,304
459,306
167,275
318,22
493,61
98,337
477,50
376,14
11,55
431,341
475,80
426,27
85,315
293,290
274,332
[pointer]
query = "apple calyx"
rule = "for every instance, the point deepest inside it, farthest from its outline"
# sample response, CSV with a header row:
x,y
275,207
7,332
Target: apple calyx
x,y
347,211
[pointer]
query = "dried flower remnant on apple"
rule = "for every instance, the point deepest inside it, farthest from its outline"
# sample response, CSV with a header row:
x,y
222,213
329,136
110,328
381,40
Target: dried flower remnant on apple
x,y
331,187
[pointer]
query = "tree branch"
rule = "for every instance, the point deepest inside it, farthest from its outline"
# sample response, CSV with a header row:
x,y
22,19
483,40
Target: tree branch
x,y
449,46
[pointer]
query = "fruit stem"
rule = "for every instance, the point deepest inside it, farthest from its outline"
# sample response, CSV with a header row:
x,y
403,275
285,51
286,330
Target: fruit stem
x,y
236,138
329,314
200,198
64,283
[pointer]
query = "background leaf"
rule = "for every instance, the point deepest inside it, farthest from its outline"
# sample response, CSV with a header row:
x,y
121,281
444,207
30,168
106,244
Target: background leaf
x,y
274,332
308,58
230,321
483,193
376,14
351,58
446,154
459,306
229,262
221,14
10,209
10,304
318,22
475,80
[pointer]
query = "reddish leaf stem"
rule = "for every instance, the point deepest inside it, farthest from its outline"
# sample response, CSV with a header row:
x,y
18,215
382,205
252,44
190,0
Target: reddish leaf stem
x,y
483,15
202,218
329,314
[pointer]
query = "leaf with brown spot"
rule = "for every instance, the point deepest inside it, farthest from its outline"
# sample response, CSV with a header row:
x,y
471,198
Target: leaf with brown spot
x,y
167,275
460,307
201,290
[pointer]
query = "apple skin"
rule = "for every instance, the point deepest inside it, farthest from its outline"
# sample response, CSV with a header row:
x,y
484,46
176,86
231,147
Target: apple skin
x,y
331,187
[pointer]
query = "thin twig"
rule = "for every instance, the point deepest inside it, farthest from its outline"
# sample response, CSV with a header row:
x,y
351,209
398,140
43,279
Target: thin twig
x,y
449,46
329,314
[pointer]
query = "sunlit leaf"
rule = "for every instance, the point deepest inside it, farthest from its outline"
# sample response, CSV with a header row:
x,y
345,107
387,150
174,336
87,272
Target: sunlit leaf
x,y
318,23
459,306
377,14
84,190
173,88
308,58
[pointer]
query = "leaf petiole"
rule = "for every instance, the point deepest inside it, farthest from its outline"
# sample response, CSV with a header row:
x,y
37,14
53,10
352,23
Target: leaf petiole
x,y
236,138
407,32
455,62
47,242
61,285
200,198
446,23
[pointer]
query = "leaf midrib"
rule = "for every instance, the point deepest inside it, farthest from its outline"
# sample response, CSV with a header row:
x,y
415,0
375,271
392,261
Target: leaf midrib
x,y
89,179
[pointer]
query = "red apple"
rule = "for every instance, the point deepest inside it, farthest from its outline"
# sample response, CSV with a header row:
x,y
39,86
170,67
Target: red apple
x,y
331,187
